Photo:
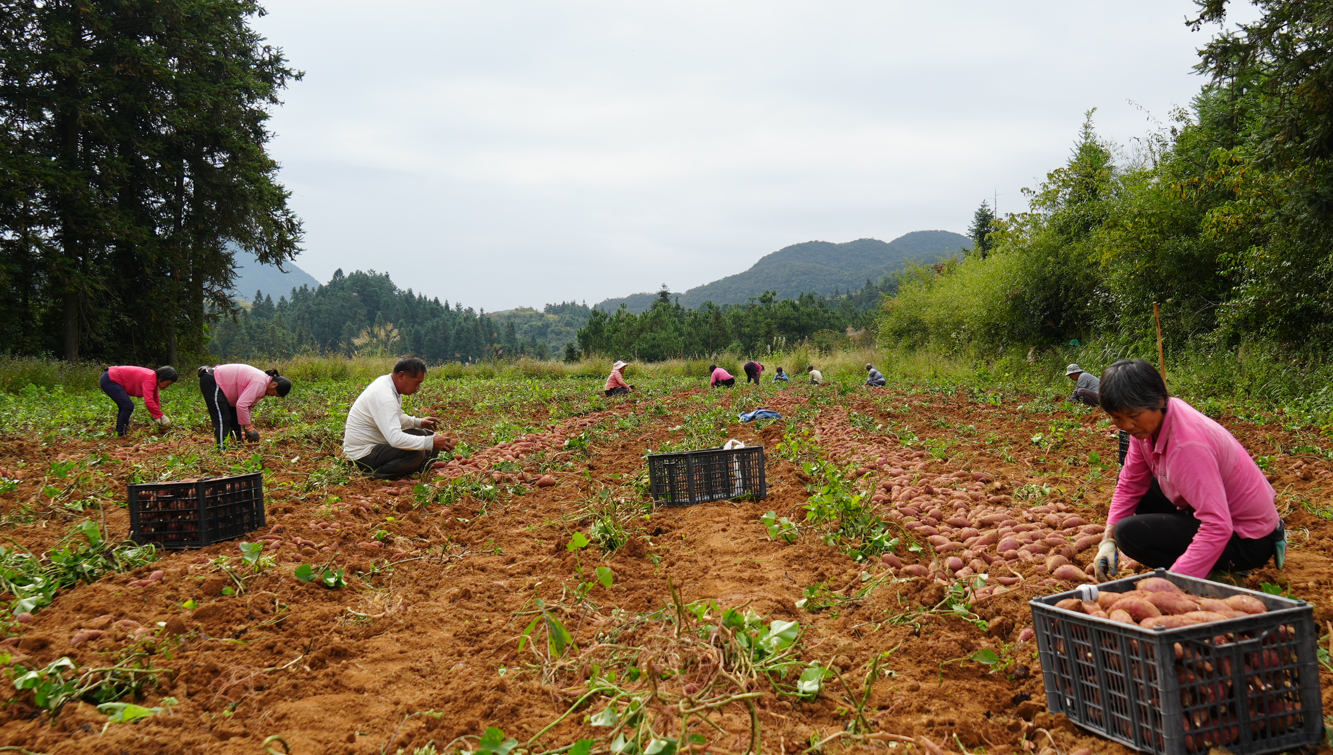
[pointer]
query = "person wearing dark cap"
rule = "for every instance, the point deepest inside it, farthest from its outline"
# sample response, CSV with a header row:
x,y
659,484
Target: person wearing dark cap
x,y
121,382
1086,385
874,378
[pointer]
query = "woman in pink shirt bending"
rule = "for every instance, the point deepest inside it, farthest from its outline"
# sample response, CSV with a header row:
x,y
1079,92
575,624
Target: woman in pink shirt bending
x,y
231,391
121,382
1189,497
720,377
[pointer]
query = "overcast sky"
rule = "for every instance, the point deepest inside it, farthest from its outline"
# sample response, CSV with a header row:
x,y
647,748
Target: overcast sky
x,y
505,154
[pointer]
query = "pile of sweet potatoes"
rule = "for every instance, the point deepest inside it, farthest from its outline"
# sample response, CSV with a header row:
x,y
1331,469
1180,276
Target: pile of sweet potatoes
x,y
1157,602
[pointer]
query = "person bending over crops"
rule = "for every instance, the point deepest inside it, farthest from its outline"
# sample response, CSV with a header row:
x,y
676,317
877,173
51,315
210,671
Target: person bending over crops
x,y
383,441
231,392
720,377
1189,498
119,383
615,384
874,377
816,377
1086,385
752,372
781,376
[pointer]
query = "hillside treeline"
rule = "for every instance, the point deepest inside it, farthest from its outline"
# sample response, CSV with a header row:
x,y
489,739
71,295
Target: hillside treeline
x,y
763,325
1225,218
365,314
132,155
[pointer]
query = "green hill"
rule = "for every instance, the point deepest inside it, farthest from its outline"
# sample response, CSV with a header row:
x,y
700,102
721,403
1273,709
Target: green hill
x,y
816,267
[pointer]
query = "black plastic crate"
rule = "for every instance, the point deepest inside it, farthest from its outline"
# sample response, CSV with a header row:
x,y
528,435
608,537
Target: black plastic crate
x,y
714,474
1249,685
177,515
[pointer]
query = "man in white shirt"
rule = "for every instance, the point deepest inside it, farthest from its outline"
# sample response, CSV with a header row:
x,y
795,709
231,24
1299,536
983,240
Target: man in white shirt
x,y
383,441
816,377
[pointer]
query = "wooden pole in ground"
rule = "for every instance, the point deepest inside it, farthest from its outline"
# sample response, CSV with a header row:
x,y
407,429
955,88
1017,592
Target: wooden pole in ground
x,y
1161,355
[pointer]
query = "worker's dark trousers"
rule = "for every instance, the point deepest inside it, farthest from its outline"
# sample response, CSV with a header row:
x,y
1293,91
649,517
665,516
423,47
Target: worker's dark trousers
x,y
1159,533
220,412
124,407
385,462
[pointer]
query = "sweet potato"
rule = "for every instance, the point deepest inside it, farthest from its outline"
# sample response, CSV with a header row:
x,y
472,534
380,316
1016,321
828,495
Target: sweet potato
x,y
1213,604
1107,599
1156,584
1172,603
1055,562
1246,604
1121,616
1138,608
1071,604
1092,609
1166,622
1203,617
914,570
1070,573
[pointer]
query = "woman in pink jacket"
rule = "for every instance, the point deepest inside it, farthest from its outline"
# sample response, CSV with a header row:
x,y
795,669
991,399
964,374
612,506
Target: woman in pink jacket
x,y
119,383
231,391
1189,497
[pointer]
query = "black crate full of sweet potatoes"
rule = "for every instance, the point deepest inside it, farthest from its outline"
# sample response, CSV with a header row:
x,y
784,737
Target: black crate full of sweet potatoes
x,y
1248,684
196,513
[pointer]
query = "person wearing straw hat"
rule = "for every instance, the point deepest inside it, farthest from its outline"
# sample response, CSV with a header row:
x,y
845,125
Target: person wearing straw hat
x,y
1190,497
615,384
1086,385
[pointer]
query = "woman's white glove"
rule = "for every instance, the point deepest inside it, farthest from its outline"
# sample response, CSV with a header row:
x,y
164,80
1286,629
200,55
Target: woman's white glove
x,y
163,422
1107,562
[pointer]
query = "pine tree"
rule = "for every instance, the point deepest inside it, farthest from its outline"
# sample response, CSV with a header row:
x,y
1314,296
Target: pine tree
x,y
983,224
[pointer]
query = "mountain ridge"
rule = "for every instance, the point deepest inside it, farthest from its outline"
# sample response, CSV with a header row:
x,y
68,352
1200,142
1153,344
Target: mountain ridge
x,y
819,267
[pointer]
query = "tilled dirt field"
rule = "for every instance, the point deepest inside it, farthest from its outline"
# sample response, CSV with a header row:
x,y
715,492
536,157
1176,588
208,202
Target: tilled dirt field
x,y
456,611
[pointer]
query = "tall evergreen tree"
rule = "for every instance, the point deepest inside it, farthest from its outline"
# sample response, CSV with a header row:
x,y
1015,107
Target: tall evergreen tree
x,y
983,224
132,158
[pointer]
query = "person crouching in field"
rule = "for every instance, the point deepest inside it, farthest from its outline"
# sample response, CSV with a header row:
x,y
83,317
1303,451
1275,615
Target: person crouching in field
x,y
119,383
1086,385
383,441
752,372
781,376
816,377
720,377
231,392
1189,498
874,378
615,383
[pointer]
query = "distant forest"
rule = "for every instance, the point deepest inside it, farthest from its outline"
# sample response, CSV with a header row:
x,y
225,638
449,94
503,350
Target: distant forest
x,y
364,313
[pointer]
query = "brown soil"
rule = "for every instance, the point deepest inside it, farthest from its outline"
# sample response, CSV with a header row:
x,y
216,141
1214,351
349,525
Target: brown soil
x,y
432,615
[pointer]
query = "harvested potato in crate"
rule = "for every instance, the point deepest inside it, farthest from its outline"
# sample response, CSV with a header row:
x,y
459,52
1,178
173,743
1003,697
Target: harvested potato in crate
x,y
1171,664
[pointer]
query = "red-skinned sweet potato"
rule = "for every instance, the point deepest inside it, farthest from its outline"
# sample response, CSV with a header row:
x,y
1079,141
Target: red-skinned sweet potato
x,y
1172,603
1156,584
1166,622
1247,604
1138,608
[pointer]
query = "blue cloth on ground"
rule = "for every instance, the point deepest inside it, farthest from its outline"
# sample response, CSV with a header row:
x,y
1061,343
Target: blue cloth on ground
x,y
760,414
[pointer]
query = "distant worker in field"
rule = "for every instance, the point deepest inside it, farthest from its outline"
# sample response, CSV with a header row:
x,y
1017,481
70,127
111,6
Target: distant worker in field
x,y
119,383
752,372
383,441
816,377
720,377
1190,498
615,384
1086,385
781,376
231,392
874,377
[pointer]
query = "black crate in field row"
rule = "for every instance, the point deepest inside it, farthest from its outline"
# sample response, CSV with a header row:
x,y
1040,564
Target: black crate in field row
x,y
1248,684
715,474
196,513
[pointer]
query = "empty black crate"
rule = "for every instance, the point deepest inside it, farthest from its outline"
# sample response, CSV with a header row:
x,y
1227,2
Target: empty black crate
x,y
715,474
1249,685
176,515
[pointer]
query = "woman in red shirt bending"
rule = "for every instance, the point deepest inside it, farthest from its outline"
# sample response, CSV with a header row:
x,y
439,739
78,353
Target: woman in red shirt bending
x,y
121,382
